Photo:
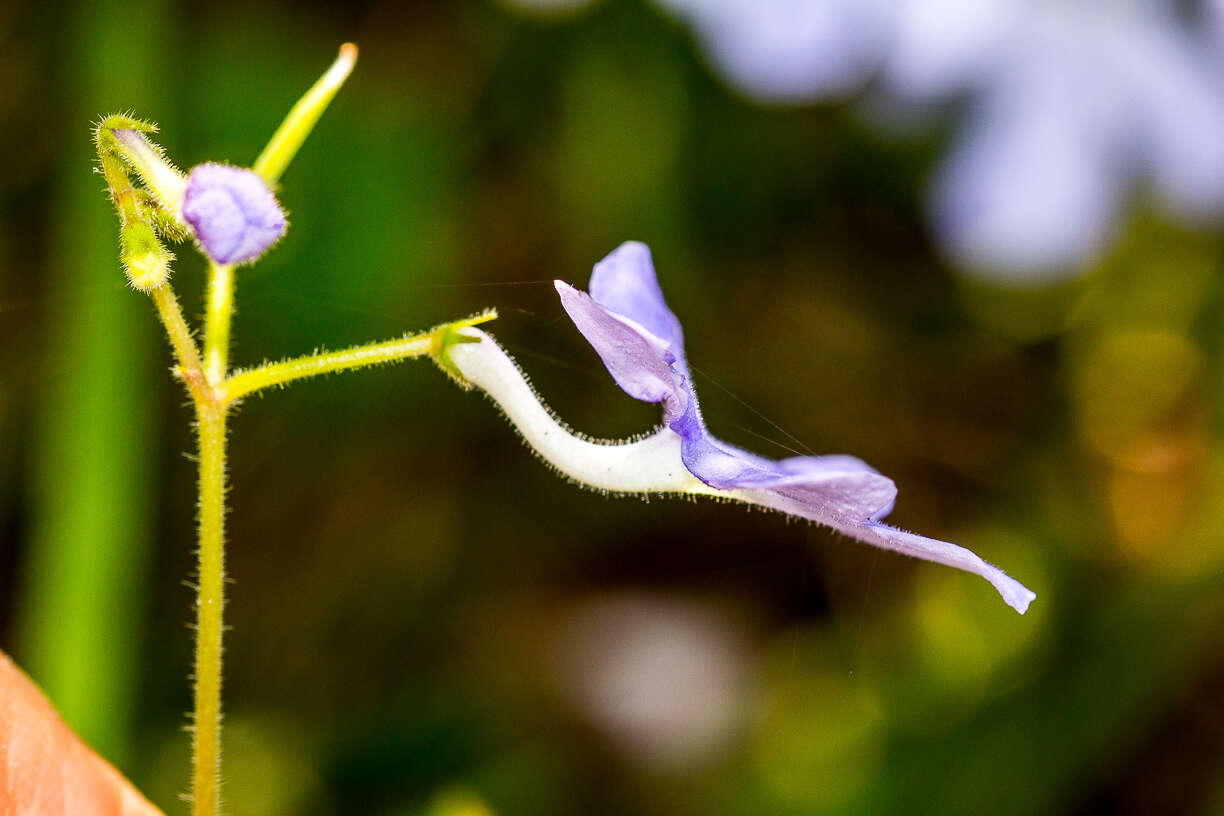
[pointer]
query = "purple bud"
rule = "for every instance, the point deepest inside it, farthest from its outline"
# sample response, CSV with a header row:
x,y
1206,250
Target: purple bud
x,y
233,213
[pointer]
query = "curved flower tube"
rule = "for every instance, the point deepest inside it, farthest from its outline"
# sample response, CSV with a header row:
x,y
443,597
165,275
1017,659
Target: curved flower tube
x,y
641,343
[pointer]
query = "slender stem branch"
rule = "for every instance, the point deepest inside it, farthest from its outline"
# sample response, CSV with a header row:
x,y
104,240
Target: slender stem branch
x,y
210,604
284,144
270,374
219,312
185,350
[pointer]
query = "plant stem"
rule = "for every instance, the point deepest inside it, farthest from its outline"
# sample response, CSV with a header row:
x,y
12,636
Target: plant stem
x,y
207,384
210,605
210,593
211,412
246,382
219,312
189,367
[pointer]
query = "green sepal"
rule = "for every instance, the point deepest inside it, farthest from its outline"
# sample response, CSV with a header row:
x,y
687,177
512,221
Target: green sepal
x,y
165,183
448,335
104,131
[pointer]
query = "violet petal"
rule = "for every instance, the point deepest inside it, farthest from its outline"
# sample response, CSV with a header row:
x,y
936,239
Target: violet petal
x,y
624,282
635,357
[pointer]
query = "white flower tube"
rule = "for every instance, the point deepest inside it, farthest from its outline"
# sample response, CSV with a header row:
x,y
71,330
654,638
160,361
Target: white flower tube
x,y
650,464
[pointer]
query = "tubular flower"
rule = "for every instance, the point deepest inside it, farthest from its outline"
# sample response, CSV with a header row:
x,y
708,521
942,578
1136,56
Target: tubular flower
x,y
639,339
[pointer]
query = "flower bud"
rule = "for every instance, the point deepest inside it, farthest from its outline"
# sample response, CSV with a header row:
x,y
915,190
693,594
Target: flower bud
x,y
149,160
145,259
234,215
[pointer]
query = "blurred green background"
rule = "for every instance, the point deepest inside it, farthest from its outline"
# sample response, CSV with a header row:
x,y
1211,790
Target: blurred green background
x,y
428,621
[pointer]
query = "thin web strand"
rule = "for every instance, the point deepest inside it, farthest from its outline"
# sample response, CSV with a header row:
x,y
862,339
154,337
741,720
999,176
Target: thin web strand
x,y
759,414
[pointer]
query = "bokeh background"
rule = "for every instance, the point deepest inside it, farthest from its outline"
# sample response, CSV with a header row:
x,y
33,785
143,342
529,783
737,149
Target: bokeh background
x,y
426,620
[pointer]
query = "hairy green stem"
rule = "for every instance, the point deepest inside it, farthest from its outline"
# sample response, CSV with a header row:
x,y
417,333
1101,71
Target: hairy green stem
x,y
243,383
219,311
211,413
184,346
210,606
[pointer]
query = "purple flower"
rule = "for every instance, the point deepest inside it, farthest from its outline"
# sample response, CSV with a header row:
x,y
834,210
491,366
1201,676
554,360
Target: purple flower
x,y
1073,104
790,51
233,213
640,341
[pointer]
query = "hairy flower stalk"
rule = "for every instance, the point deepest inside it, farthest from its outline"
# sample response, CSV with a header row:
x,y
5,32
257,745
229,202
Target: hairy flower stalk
x,y
640,342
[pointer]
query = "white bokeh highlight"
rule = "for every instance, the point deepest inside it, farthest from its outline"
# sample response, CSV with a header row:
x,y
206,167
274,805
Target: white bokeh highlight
x,y
662,678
